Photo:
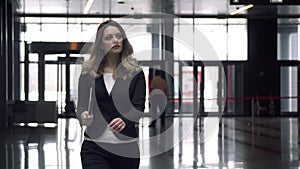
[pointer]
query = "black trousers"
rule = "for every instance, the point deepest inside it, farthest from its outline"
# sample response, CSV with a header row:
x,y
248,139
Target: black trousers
x,y
110,156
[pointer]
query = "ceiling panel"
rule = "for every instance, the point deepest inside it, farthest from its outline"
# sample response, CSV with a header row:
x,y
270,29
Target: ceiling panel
x,y
130,7
53,6
114,7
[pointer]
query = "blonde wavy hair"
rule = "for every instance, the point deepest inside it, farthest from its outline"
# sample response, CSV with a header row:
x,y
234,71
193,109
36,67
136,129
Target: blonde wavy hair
x,y
127,64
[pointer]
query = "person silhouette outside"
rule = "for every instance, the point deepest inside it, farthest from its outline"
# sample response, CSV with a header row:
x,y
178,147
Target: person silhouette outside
x,y
111,100
158,99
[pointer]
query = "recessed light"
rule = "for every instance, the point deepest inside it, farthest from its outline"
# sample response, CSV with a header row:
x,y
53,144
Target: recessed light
x,y
239,10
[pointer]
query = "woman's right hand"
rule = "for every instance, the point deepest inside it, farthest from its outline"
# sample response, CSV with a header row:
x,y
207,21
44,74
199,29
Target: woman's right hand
x,y
86,118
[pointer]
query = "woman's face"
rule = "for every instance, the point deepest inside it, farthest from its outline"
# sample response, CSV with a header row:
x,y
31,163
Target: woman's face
x,y
112,40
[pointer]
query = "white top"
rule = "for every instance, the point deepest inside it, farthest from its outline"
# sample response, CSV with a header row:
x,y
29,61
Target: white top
x,y
108,136
109,81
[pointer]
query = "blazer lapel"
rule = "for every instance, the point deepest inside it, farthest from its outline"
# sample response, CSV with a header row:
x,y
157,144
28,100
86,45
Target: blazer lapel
x,y
117,84
121,85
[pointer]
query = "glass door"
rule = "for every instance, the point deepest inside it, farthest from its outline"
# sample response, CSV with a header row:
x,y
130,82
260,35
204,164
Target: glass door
x,y
188,78
203,88
61,81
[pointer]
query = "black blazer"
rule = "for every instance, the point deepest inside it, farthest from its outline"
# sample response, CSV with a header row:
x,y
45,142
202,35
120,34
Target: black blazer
x,y
126,100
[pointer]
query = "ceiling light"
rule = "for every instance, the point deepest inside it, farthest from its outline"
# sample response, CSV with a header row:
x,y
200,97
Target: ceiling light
x,y
121,2
88,6
33,124
241,9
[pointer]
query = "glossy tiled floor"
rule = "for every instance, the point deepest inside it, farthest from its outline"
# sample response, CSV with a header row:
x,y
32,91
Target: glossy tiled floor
x,y
266,143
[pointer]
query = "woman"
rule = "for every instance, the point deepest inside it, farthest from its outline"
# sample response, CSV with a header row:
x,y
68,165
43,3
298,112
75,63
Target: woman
x,y
111,99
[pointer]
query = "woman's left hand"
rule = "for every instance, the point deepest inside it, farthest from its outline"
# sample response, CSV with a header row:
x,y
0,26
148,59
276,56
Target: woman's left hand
x,y
117,124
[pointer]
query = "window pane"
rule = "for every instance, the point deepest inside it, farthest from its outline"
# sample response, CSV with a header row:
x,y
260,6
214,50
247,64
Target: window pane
x,y
33,82
88,33
22,82
74,33
54,32
287,41
183,42
33,32
187,89
51,82
237,42
53,57
142,46
33,57
216,36
211,78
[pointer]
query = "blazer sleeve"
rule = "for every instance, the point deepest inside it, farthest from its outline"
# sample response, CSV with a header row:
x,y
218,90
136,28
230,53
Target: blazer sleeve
x,y
83,94
137,98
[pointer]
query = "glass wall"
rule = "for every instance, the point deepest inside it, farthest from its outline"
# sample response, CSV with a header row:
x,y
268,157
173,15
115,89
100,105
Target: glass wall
x,y
287,53
33,76
222,36
191,39
287,43
289,89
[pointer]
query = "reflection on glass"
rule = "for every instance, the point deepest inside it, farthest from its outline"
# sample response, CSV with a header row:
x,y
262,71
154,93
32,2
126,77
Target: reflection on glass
x,y
33,155
288,88
211,80
231,88
211,150
287,40
187,89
